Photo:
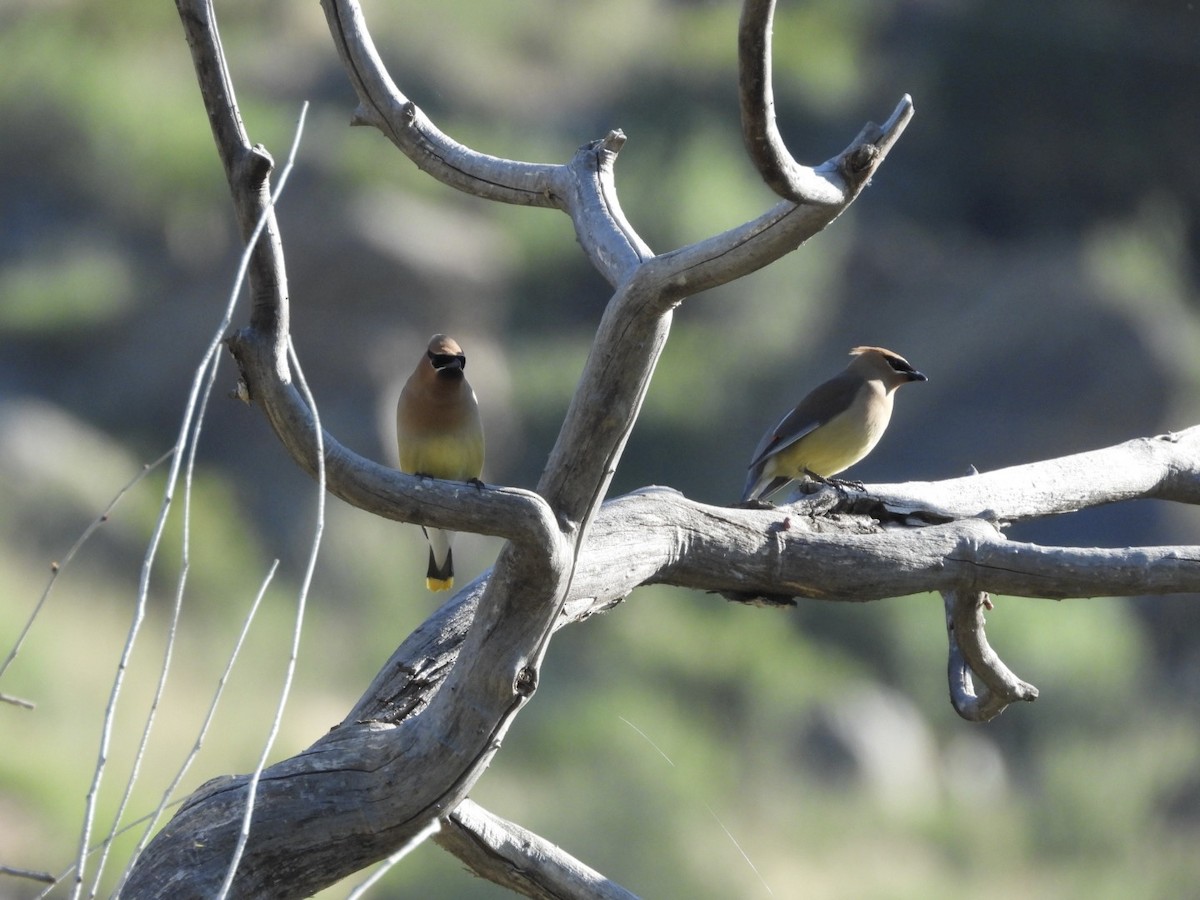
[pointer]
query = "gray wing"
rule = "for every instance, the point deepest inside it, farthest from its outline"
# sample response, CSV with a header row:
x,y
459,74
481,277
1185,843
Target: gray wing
x,y
818,407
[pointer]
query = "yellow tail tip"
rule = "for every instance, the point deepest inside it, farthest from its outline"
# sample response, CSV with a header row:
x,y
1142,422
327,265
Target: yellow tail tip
x,y
439,584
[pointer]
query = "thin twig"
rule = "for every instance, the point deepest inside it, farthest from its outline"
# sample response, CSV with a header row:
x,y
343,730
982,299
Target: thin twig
x,y
728,833
31,874
57,567
301,602
152,550
203,732
419,838
212,364
54,882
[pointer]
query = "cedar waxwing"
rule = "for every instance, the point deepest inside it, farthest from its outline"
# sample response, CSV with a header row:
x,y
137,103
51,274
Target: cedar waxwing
x,y
832,428
440,436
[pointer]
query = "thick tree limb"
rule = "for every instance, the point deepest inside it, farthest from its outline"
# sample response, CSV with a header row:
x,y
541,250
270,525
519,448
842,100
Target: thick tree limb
x,y
429,724
430,762
1164,467
659,535
854,564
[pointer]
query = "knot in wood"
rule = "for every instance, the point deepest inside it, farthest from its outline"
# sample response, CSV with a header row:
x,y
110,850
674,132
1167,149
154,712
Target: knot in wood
x,y
526,681
862,157
254,166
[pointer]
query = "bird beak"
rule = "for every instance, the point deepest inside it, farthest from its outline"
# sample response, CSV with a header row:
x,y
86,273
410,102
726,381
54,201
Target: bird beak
x,y
914,375
447,365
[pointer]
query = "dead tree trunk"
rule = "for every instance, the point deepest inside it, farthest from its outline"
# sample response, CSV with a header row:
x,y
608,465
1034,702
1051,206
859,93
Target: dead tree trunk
x,y
426,729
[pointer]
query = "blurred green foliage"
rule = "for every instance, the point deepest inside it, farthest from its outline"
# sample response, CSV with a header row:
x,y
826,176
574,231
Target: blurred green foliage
x,y
1031,244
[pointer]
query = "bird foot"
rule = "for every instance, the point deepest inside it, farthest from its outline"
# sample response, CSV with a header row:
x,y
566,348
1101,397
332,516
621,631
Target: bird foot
x,y
838,483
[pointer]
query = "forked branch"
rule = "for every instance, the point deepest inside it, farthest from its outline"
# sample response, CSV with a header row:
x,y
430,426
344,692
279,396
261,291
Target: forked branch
x,y
583,188
827,184
430,725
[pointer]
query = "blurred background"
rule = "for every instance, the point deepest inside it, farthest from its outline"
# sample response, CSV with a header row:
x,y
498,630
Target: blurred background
x,y
1031,244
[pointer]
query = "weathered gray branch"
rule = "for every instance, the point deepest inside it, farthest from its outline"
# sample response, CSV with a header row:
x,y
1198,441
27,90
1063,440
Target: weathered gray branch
x,y
659,535
430,762
247,169
637,320
1161,467
584,188
760,131
656,535
971,655
514,857
506,512
437,713
382,105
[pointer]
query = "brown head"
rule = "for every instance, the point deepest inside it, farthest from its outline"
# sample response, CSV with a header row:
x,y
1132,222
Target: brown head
x,y
444,360
878,363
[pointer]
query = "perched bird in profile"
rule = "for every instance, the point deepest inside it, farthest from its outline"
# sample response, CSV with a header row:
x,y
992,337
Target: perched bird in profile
x,y
440,436
833,427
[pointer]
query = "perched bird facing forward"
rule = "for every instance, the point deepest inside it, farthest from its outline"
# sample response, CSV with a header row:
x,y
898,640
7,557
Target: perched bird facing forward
x,y
833,427
440,436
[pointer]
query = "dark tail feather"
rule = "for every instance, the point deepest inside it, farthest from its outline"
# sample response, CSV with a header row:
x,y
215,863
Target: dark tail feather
x,y
440,578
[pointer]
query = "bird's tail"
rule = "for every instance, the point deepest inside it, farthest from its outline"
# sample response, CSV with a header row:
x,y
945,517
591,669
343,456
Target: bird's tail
x,y
439,576
762,487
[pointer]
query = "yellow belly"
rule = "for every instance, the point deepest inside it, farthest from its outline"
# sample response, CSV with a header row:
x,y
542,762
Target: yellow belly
x,y
453,459
832,448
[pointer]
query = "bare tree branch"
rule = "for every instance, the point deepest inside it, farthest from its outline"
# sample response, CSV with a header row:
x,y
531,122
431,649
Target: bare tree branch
x,y
970,654
363,483
429,724
498,679
247,169
31,874
658,535
792,553
1166,467
382,105
636,323
583,189
822,186
514,857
